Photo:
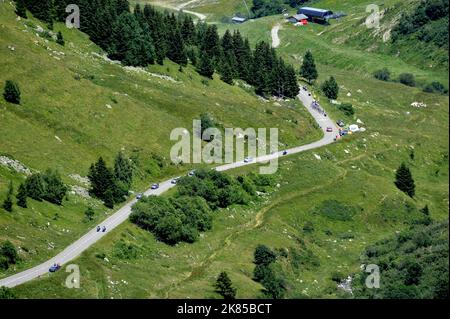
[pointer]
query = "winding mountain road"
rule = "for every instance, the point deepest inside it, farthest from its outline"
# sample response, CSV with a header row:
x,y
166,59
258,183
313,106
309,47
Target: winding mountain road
x,y
82,244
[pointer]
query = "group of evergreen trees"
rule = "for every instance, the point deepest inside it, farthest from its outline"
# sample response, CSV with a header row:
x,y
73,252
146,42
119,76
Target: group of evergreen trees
x,y
111,185
146,36
47,186
266,274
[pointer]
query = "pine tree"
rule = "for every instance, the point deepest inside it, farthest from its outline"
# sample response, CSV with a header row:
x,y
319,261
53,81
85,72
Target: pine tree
x,y
101,179
109,199
188,30
308,69
211,44
330,88
404,181
243,55
60,9
227,74
291,84
55,189
35,187
176,50
129,43
11,92
22,196
224,286
21,9
205,67
8,203
42,10
122,6
123,170
60,39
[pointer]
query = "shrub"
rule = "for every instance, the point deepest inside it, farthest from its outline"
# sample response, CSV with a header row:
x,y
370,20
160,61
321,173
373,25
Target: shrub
x,y
407,79
347,109
435,87
12,92
382,75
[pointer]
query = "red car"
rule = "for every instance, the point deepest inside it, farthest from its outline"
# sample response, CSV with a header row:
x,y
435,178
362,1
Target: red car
x,y
329,129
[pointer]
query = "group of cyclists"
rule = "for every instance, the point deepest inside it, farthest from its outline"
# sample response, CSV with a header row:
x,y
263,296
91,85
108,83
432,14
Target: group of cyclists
x,y
101,229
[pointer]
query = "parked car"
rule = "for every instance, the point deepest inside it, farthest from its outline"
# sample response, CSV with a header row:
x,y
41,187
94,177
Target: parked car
x,y
340,123
155,186
329,129
248,160
285,152
139,196
55,268
175,180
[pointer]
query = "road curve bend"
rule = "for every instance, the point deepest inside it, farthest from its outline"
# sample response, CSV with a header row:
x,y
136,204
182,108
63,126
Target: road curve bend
x,y
82,244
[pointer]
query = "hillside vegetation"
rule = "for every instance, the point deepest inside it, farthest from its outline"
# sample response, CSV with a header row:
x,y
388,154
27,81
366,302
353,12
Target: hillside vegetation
x,y
329,211
77,105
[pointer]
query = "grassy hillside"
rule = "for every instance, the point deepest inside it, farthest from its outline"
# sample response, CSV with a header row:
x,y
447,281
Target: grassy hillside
x,y
344,193
77,106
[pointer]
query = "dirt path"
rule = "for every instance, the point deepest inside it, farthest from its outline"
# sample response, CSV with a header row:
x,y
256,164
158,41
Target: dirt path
x,y
275,37
200,16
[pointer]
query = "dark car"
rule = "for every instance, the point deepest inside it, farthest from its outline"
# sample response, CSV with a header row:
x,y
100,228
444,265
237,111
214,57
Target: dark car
x,y
55,268
285,152
340,123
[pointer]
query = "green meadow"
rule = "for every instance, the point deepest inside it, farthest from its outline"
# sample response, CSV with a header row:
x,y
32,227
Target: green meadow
x,y
354,176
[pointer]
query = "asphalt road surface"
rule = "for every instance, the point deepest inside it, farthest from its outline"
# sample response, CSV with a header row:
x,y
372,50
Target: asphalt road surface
x,y
82,244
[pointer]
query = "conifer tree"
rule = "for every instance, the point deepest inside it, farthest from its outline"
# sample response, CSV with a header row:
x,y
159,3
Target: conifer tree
x,y
11,92
109,199
227,73
8,203
176,50
101,178
224,286
21,9
123,170
404,180
308,69
330,88
22,196
205,67
60,38
35,186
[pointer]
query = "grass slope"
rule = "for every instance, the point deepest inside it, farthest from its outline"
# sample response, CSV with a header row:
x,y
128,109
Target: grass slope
x,y
77,106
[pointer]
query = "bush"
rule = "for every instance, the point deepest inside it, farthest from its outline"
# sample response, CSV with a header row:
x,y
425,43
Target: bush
x,y
435,87
347,109
12,92
407,79
382,75
7,293
8,255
